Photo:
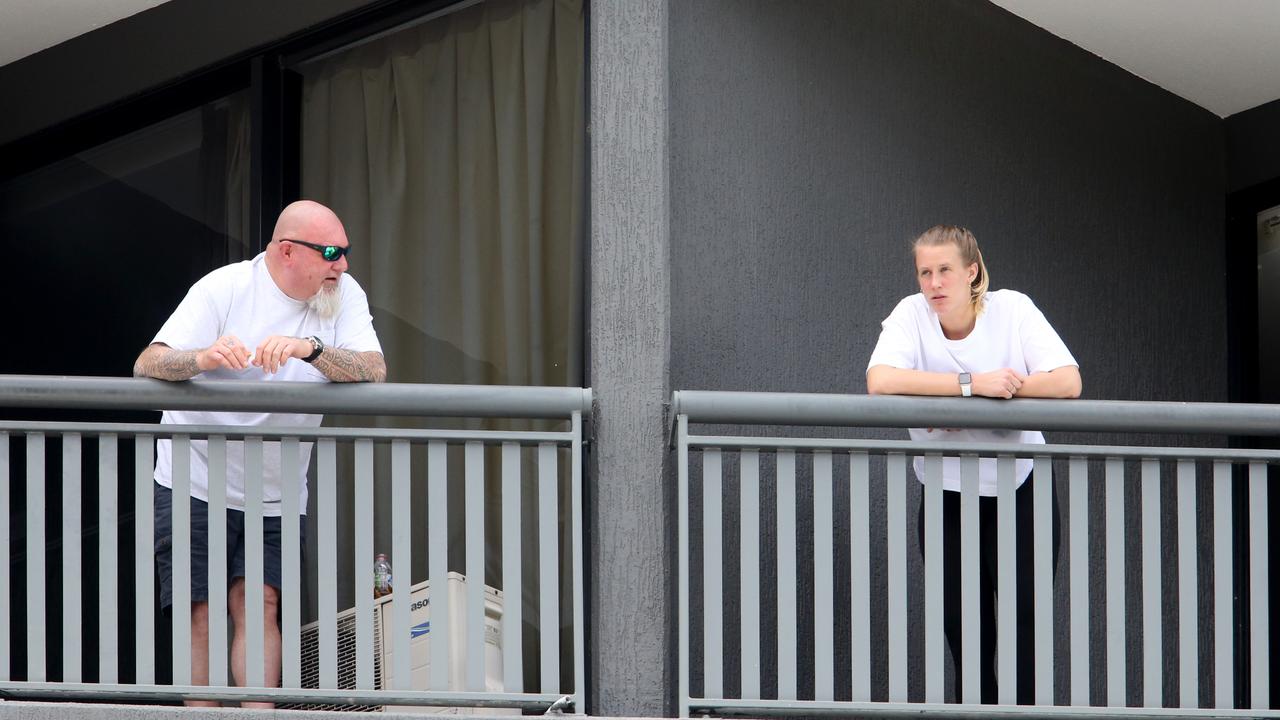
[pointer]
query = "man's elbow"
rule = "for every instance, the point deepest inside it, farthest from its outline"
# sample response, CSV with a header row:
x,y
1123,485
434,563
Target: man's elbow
x,y
378,368
144,361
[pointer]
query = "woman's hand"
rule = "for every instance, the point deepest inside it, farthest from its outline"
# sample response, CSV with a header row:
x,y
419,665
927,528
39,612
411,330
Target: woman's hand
x,y
1002,383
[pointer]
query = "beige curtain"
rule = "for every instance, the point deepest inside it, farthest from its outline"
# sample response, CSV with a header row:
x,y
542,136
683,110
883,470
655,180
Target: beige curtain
x,y
453,152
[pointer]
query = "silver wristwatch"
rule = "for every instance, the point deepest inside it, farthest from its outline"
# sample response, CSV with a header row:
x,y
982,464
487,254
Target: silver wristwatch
x,y
966,384
317,347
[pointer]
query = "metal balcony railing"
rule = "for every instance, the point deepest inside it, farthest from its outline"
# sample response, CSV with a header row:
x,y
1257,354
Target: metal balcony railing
x,y
752,585
375,677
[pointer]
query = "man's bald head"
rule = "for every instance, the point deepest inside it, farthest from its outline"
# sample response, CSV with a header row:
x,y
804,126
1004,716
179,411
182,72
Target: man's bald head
x,y
309,219
294,256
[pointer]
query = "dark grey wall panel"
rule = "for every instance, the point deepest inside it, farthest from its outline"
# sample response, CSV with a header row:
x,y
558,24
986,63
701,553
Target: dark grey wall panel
x,y
145,51
1253,146
811,141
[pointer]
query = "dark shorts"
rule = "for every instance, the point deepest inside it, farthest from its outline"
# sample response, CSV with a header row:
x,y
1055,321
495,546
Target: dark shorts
x,y
271,542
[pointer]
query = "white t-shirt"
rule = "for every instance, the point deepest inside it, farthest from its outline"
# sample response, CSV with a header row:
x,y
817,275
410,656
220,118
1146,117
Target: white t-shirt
x,y
1010,332
242,300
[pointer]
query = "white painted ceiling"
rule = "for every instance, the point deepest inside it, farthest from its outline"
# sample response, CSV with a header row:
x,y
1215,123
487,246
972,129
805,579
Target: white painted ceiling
x,y
29,26
1223,55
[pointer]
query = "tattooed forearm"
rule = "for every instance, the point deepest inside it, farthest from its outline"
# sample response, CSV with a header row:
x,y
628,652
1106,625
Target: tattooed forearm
x,y
165,363
341,365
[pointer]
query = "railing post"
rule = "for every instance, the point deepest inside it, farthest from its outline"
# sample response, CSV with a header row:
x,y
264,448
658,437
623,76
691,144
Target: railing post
x,y
575,509
682,562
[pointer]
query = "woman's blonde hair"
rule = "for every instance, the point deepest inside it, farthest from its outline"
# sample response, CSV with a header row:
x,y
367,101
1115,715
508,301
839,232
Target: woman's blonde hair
x,y
969,252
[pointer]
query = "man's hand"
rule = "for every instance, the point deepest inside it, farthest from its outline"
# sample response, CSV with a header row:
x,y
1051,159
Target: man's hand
x,y
276,350
226,352
165,363
1002,383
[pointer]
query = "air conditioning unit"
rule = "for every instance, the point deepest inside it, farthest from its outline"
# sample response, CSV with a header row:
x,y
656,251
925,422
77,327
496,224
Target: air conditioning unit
x,y
421,630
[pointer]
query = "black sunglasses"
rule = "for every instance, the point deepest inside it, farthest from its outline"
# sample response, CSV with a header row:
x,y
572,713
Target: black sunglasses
x,y
330,253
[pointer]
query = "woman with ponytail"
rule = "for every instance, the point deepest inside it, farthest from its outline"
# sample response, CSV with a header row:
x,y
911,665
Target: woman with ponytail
x,y
956,337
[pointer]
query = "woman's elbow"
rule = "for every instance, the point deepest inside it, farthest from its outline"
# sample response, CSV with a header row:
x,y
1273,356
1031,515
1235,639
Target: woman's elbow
x,y
1074,387
876,383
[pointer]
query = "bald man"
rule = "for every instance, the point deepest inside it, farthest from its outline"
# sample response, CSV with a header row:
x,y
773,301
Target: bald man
x,y
290,314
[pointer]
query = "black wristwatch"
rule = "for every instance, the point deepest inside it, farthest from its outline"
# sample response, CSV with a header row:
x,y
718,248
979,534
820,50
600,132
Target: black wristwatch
x,y
317,347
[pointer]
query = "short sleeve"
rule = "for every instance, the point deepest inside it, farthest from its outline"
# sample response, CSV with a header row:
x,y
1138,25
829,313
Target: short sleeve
x,y
353,329
196,323
1042,349
899,344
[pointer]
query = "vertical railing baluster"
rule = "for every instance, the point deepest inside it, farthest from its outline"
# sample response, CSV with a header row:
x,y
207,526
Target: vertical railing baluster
x,y
860,576
217,447
548,566
1007,581
512,577
35,558
474,463
1188,604
933,635
896,529
290,564
1079,499
712,594
970,582
1223,613
71,619
1152,607
749,469
327,561
401,590
1259,600
438,560
180,547
254,570
786,580
6,551
108,559
1042,512
824,620
363,546
1116,670
144,487
682,566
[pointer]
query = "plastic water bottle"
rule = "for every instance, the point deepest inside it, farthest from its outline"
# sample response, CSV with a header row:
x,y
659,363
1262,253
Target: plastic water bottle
x,y
381,575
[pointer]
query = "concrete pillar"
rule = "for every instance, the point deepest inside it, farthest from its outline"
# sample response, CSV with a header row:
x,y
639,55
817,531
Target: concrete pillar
x,y
630,658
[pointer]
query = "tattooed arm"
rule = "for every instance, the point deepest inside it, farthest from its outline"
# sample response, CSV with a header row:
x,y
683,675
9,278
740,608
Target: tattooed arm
x,y
337,364
165,363
340,365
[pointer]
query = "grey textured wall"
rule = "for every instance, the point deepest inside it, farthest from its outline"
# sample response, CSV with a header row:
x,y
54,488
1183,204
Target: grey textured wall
x,y
1253,146
629,514
811,141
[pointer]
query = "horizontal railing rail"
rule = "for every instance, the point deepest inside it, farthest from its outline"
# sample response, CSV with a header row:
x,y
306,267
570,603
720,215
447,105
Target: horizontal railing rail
x,y
890,411
739,494
106,393
364,656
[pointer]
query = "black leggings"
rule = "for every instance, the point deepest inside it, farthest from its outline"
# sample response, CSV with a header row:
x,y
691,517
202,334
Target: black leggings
x,y
988,572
